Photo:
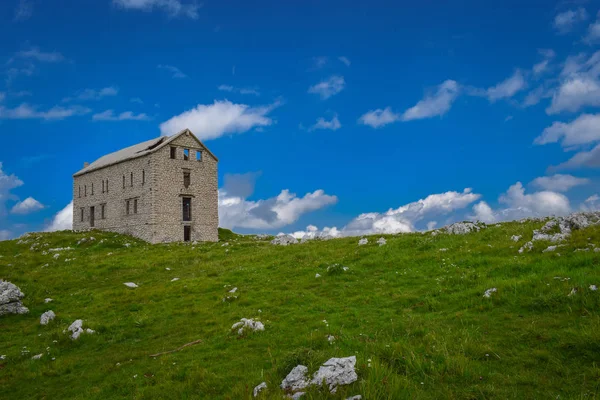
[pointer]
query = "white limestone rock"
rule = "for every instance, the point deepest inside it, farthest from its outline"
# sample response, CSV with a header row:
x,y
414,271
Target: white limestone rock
x,y
296,379
335,372
284,240
130,285
488,293
48,300
363,241
296,395
549,249
593,288
381,241
248,324
37,356
527,246
76,329
357,397
515,238
317,275
461,228
259,388
10,299
47,317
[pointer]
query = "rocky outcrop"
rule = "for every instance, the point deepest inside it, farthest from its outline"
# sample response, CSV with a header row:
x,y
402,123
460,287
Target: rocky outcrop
x,y
284,240
10,299
248,324
333,373
461,228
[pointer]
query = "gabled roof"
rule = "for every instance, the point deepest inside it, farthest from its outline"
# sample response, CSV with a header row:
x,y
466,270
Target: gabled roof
x,y
137,150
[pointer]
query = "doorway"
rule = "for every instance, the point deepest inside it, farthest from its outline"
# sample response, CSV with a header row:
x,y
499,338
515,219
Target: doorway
x,y
92,216
187,232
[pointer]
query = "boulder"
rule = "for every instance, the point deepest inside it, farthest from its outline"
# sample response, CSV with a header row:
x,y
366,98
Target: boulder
x,y
335,372
248,324
381,241
488,293
296,379
47,317
259,388
363,241
130,285
284,240
461,228
10,299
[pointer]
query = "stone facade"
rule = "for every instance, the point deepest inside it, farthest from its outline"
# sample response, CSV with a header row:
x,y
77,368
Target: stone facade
x,y
154,186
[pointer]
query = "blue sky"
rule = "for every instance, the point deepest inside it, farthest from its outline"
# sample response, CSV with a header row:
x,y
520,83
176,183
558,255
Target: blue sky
x,y
362,117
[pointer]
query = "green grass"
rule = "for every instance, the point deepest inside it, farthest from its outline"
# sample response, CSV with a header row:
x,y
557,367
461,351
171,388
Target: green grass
x,y
417,313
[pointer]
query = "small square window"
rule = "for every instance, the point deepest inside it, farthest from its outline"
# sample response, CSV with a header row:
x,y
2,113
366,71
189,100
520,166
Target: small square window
x,y
173,152
186,154
198,155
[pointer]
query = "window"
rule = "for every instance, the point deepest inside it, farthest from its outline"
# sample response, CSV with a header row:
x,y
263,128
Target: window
x,y
143,176
173,152
123,181
92,216
92,189
107,186
84,190
102,185
127,207
135,206
103,211
187,208
82,213
187,233
186,179
198,155
186,154
79,191
132,179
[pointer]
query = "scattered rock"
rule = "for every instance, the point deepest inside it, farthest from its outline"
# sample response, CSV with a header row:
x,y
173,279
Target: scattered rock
x,y
37,356
47,300
330,338
10,299
461,228
317,275
573,292
76,329
248,324
335,372
593,288
130,284
296,379
296,395
443,249
363,241
233,290
259,388
381,241
527,246
560,228
47,317
284,240
174,279
515,238
357,397
550,248
488,293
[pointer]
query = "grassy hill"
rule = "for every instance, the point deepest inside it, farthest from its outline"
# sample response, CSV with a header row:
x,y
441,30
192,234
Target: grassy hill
x,y
412,313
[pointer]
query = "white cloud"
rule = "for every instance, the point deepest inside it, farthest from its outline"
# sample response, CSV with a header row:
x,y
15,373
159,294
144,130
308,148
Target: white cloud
x,y
176,72
25,111
379,117
94,94
35,53
232,89
24,10
5,234
593,32
507,88
345,60
565,21
272,213
334,124
543,66
174,8
27,206
136,100
584,129
521,205
63,220
590,159
329,87
592,203
483,212
222,117
537,94
109,115
434,104
7,183
559,182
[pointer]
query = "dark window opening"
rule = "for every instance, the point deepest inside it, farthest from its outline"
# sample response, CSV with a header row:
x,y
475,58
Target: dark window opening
x,y
135,206
92,189
127,207
186,179
123,181
187,208
102,185
84,190
107,186
173,152
92,215
143,176
103,211
186,154
82,214
131,179
198,155
187,231
79,191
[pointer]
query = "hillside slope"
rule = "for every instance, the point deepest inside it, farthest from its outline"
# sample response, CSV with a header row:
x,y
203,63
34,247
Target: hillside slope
x,y
412,312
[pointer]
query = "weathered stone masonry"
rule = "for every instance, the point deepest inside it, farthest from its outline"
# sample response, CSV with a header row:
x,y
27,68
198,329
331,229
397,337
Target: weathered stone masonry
x,y
153,183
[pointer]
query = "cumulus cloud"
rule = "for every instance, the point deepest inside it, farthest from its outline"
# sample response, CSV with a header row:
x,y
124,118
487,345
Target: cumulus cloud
x,y
559,182
590,159
26,111
222,117
379,117
109,115
27,206
333,124
434,104
484,213
565,21
508,87
521,205
176,73
232,89
584,129
174,8
63,220
329,87
275,212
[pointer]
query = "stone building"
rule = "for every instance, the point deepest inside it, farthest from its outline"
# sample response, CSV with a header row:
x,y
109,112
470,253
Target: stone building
x,y
162,190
